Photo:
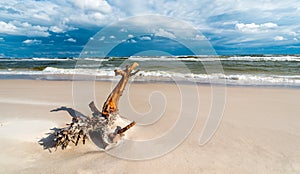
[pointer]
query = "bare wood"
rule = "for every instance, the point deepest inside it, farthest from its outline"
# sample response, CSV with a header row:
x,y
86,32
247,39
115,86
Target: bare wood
x,y
111,103
126,128
94,109
81,124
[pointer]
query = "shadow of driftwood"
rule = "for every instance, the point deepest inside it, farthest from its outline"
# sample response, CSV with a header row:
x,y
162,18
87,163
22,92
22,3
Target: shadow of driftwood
x,y
48,142
71,111
97,139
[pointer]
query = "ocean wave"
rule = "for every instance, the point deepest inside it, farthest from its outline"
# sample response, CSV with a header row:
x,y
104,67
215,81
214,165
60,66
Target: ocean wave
x,y
33,59
93,59
233,79
144,76
52,59
79,71
265,58
216,58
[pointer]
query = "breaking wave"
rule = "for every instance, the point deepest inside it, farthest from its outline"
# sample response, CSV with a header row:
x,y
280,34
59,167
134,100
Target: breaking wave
x,y
166,76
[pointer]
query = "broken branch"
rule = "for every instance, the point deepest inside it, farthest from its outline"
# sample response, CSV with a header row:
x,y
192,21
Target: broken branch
x,y
111,103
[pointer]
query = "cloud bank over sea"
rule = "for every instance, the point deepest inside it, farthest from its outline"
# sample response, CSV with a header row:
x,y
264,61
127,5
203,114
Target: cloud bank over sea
x,y
233,27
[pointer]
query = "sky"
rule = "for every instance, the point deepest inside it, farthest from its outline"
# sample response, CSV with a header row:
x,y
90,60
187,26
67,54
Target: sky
x,y
61,28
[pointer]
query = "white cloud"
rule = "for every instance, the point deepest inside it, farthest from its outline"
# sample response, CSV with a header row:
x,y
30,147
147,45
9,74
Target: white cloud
x,y
42,16
145,38
71,40
73,12
130,36
102,38
96,5
132,41
57,16
7,27
230,22
292,33
200,37
123,30
254,28
56,29
279,38
23,29
164,33
32,42
269,25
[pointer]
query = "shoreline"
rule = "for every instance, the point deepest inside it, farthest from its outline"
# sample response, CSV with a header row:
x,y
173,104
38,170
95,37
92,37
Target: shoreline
x,y
162,82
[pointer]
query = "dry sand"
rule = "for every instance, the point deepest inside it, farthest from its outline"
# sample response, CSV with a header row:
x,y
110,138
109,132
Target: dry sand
x,y
259,133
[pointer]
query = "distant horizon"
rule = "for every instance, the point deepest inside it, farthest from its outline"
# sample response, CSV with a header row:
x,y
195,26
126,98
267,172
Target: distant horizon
x,y
179,56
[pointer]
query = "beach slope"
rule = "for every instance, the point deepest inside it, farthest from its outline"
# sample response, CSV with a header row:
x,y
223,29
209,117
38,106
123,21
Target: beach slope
x,y
259,133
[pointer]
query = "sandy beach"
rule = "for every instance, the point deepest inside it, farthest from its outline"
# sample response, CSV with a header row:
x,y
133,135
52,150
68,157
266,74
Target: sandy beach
x,y
259,132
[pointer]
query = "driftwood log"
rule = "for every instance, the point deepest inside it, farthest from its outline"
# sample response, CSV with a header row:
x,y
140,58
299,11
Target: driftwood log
x,y
103,123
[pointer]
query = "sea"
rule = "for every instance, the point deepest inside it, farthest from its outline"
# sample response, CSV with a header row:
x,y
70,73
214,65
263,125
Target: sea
x,y
253,70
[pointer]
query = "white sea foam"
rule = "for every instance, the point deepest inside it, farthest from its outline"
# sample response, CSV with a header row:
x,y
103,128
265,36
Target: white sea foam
x,y
216,58
108,73
33,59
234,79
51,59
92,59
271,58
79,71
